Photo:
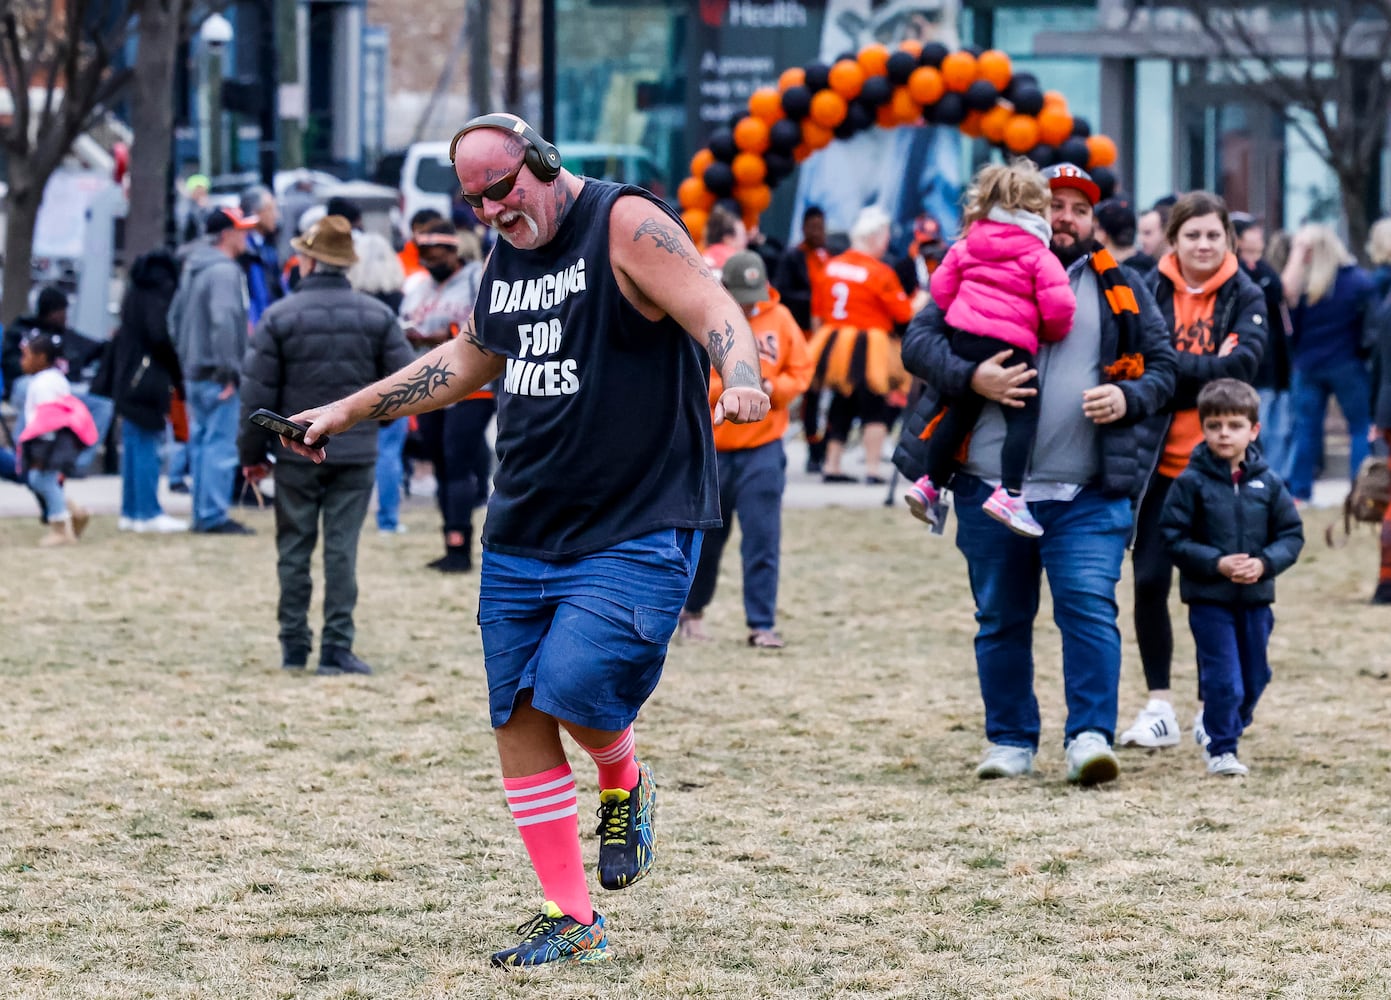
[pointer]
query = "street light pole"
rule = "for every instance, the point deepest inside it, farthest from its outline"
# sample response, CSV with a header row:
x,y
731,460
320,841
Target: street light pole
x,y
268,68
215,33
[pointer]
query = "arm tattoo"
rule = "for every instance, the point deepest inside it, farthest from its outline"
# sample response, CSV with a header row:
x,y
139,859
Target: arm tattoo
x,y
470,333
666,237
718,345
743,375
419,387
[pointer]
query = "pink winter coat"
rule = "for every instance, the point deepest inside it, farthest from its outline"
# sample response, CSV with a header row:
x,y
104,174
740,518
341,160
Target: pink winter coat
x,y
1003,282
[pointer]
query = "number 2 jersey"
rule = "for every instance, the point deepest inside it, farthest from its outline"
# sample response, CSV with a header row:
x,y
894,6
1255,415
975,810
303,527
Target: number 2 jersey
x,y
603,426
860,291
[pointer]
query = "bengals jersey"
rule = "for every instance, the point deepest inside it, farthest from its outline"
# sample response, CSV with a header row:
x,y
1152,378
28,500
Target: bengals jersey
x,y
860,291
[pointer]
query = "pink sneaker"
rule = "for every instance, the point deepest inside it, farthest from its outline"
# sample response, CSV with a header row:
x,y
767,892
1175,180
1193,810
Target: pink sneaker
x,y
1013,513
926,503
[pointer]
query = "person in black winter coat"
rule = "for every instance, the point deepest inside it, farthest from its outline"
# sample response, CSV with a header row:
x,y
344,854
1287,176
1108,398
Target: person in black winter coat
x,y
1230,525
142,371
321,342
1272,379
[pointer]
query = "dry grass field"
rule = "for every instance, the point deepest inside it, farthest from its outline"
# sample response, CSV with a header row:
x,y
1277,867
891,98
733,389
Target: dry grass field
x,y
181,819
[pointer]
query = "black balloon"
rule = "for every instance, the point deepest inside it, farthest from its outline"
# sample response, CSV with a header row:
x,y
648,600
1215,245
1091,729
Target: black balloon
x,y
876,91
901,66
981,96
1074,151
1106,180
721,143
784,135
719,179
932,55
1081,127
818,75
1027,100
975,50
1021,81
779,165
1043,154
950,109
796,103
857,118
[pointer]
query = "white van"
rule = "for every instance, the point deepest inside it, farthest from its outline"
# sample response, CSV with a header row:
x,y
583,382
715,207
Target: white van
x,y
428,179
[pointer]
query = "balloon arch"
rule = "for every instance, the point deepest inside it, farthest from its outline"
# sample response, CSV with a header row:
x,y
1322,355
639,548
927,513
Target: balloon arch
x,y
915,84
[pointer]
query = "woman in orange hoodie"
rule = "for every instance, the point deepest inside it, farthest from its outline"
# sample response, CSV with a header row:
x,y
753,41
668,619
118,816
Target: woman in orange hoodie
x,y
1218,320
752,465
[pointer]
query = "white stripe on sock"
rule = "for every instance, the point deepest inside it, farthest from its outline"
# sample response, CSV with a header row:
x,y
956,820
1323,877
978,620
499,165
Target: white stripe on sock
x,y
566,796
513,793
571,810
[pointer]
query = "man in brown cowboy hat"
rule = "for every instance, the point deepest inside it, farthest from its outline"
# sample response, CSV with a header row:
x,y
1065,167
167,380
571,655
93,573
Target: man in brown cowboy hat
x,y
320,343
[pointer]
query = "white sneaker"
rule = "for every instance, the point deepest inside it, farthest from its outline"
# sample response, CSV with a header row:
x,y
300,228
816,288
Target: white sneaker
x,y
1200,735
1155,726
164,524
1227,765
1090,760
126,524
1005,762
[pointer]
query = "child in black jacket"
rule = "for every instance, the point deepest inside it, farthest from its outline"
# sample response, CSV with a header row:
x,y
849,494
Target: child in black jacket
x,y
1230,526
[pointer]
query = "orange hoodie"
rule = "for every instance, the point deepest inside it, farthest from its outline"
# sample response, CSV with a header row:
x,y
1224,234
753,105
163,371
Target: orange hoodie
x,y
785,362
1193,334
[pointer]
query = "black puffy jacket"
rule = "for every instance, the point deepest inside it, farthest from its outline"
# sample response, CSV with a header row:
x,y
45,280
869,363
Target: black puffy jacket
x,y
1129,447
1207,515
322,342
143,366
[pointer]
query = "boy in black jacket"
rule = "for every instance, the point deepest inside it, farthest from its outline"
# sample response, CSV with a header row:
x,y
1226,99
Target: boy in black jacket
x,y
1230,526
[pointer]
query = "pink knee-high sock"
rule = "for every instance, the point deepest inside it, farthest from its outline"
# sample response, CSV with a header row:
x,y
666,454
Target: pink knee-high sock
x,y
618,767
544,808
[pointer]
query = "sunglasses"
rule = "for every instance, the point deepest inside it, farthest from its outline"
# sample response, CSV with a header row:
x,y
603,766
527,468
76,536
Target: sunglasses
x,y
496,191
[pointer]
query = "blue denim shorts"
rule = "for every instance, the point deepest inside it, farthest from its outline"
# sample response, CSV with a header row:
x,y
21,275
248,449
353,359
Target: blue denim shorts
x,y
588,636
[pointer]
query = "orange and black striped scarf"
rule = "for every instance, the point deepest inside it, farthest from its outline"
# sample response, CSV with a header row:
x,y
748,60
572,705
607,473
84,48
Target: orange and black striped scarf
x,y
1129,363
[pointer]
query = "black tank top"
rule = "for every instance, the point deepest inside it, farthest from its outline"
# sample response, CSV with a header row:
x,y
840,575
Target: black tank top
x,y
603,415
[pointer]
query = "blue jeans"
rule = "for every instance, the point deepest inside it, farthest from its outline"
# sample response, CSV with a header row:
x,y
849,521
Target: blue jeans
x,y
212,451
587,636
48,484
103,411
1081,550
176,455
391,470
1275,430
751,485
1349,384
1232,667
140,472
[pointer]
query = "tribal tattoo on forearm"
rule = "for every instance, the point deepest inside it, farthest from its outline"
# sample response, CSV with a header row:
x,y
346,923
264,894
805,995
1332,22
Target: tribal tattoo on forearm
x,y
667,237
718,345
421,386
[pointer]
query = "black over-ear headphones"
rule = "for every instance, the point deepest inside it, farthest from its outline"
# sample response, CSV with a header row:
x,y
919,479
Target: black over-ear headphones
x,y
542,157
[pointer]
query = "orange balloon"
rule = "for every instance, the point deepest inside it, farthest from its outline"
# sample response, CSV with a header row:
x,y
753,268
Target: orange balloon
x,y
926,86
766,103
816,136
993,122
827,108
959,70
1054,98
693,194
886,117
1102,150
753,198
970,125
803,150
749,168
700,162
906,110
847,79
874,59
695,220
751,135
750,220
911,45
794,77
1021,133
1054,126
994,65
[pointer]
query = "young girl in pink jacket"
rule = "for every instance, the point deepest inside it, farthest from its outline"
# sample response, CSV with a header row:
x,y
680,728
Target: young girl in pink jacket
x,y
1002,290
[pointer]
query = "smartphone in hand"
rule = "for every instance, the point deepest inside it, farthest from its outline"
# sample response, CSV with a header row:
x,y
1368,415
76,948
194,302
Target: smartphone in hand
x,y
284,426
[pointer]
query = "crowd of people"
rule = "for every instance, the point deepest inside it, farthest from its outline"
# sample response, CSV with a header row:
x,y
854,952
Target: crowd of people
x,y
1074,380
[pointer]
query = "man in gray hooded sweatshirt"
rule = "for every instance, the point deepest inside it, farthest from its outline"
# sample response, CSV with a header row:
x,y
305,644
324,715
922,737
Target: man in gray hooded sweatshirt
x,y
208,321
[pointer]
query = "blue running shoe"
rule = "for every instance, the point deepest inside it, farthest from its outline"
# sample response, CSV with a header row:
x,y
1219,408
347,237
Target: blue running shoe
x,y
551,936
626,841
